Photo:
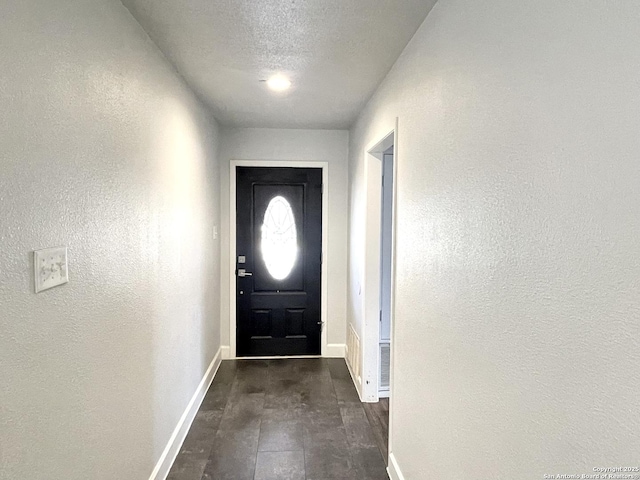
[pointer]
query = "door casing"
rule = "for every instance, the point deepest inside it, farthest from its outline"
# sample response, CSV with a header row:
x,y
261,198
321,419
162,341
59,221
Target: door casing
x,y
232,243
370,340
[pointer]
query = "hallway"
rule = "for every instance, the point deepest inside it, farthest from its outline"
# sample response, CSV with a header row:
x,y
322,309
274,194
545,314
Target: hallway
x,y
290,419
510,343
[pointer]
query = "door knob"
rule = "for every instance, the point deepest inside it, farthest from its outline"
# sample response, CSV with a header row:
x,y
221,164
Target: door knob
x,y
243,273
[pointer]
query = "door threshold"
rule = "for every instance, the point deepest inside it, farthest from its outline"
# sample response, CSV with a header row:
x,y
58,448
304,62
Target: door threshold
x,y
277,357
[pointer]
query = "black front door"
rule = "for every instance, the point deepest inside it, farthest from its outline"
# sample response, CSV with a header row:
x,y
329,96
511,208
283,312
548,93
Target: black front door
x,y
278,262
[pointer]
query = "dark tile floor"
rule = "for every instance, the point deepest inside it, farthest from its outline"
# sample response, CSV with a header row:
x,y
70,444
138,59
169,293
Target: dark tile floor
x,y
290,419
378,415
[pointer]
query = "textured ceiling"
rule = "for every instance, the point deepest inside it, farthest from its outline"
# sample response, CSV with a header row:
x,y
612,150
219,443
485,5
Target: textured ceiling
x,y
335,52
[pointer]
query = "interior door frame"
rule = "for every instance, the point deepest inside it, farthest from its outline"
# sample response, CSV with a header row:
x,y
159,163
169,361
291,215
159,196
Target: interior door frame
x,y
233,253
370,347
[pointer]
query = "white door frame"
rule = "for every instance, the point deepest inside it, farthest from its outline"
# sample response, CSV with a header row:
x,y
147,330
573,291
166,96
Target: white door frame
x,y
232,242
371,281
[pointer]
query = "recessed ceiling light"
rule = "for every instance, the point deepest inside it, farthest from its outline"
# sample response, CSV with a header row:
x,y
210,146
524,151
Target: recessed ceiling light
x,y
278,83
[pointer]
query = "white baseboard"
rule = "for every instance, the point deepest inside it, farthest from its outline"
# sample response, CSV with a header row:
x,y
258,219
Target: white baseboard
x,y
170,452
226,352
335,350
393,469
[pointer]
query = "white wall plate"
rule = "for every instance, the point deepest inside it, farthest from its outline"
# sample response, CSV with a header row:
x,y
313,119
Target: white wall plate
x,y
50,267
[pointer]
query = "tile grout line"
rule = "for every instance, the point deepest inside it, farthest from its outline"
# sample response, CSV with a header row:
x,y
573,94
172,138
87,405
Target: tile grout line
x,y
224,409
342,420
304,449
264,400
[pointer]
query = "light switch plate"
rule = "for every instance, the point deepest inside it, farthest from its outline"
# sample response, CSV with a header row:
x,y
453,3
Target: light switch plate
x,y
50,267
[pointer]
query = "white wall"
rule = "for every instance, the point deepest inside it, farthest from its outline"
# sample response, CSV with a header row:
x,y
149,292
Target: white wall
x,y
289,145
518,299
102,149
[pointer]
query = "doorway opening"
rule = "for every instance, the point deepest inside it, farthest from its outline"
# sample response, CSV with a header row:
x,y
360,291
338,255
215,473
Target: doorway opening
x,y
379,281
386,263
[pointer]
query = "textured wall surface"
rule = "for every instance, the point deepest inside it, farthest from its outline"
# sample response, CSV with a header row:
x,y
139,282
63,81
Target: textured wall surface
x,y
303,145
102,149
518,266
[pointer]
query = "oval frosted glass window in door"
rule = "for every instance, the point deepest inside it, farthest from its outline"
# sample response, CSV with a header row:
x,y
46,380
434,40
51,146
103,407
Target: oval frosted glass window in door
x,y
279,243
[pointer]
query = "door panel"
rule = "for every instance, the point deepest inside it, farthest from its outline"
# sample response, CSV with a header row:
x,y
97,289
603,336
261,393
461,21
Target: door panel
x,y
279,245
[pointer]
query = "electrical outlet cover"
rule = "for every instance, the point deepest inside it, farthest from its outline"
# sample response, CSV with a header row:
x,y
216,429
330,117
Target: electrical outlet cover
x,y
50,267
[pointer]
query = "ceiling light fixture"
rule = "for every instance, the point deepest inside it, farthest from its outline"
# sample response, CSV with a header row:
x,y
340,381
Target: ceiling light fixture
x,y
278,83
